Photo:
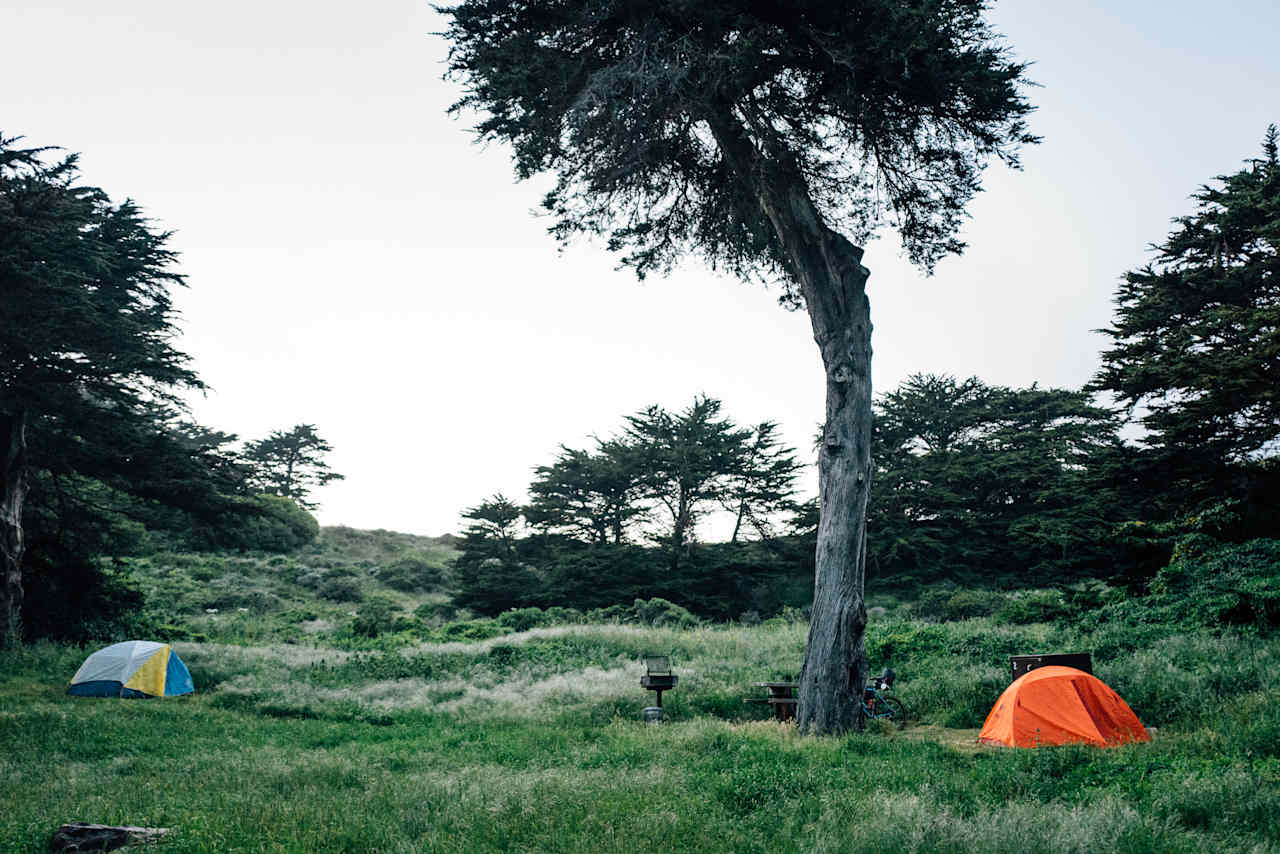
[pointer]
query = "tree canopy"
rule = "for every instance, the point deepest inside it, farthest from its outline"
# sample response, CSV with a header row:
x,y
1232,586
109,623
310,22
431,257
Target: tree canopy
x,y
881,110
590,494
984,481
98,458
1195,344
290,463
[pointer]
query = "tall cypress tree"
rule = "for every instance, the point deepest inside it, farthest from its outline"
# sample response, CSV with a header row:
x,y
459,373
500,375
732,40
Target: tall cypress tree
x,y
766,137
1196,341
86,329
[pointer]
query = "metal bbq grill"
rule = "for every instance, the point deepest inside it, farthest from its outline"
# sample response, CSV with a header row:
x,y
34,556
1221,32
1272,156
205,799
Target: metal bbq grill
x,y
658,678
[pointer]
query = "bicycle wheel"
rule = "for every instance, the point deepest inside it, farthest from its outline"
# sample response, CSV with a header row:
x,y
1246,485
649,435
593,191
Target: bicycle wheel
x,y
891,708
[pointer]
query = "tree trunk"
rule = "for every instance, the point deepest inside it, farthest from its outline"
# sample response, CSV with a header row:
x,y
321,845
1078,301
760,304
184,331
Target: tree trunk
x,y
827,267
678,534
737,525
13,491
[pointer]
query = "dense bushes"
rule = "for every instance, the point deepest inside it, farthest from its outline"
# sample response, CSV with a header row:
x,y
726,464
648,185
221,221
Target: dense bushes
x,y
715,581
376,615
1207,583
411,572
340,588
265,523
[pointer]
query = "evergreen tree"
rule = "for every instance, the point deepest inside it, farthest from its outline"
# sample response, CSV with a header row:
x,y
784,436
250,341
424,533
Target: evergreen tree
x,y
986,481
86,331
490,577
762,487
290,464
766,137
591,495
687,459
1195,344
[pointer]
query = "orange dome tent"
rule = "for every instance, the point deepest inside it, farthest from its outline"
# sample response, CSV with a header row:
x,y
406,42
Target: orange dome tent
x,y
1060,705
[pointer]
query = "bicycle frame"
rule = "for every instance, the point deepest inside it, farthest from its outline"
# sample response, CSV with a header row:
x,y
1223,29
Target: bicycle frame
x,y
868,698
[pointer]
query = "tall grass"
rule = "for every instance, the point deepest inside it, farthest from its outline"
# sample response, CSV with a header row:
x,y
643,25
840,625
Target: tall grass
x,y
532,742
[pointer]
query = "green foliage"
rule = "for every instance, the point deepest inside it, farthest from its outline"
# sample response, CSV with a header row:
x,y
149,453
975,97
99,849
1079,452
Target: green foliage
x,y
471,630
86,284
436,611
489,575
412,573
595,496
523,619
585,576
651,612
97,603
660,612
1210,584
875,112
675,465
688,459
377,614
762,486
235,591
983,482
949,603
340,588
267,523
1036,606
290,464
1194,342
491,585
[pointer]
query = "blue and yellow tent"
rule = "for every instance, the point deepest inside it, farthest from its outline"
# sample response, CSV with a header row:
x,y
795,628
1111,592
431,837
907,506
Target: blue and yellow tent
x,y
132,669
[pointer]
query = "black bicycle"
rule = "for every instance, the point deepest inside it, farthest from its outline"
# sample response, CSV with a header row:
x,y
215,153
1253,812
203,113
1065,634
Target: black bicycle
x,y
879,706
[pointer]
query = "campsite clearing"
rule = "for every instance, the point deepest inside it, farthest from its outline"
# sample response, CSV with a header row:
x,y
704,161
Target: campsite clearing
x,y
437,748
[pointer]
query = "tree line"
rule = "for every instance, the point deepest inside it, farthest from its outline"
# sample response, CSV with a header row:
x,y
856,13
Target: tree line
x,y
632,501
972,482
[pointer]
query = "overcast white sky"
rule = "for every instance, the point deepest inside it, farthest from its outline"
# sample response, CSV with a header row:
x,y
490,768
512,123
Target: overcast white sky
x,y
357,263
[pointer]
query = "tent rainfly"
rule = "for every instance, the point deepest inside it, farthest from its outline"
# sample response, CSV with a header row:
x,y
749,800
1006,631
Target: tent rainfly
x,y
132,669
1061,705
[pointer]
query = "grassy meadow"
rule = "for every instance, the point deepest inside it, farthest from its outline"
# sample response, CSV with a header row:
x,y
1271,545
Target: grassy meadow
x,y
532,741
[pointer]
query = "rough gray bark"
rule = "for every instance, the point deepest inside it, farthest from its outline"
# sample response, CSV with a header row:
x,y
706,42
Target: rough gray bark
x,y
13,491
828,269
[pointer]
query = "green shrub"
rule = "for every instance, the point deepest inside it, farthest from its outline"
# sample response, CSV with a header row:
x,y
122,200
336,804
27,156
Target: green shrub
x,y
563,616
612,614
1033,606
171,632
376,615
340,588
436,611
1088,595
206,571
660,612
523,619
1207,583
266,523
481,629
947,603
410,573
236,591
258,601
